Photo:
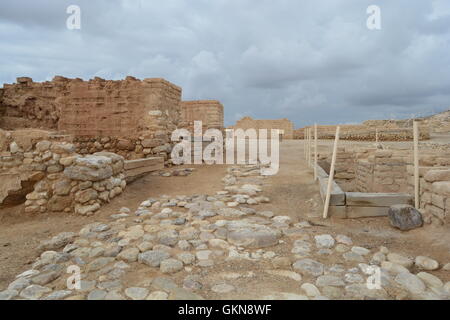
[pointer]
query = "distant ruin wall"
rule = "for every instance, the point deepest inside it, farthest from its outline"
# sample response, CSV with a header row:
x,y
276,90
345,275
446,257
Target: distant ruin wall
x,y
281,124
27,104
210,112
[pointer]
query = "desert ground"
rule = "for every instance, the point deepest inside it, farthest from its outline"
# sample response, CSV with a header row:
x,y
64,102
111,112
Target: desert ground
x,y
294,252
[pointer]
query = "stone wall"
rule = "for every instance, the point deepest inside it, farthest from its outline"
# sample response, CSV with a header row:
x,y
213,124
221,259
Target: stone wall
x,y
210,112
131,117
367,132
281,124
48,175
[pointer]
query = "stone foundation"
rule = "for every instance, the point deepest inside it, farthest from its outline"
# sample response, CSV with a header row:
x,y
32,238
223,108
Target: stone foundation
x,y
49,175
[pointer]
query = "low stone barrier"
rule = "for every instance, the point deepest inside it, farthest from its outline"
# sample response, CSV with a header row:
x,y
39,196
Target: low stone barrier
x,y
358,204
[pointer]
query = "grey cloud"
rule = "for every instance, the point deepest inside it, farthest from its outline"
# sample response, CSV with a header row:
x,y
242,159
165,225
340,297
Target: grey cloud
x,y
305,60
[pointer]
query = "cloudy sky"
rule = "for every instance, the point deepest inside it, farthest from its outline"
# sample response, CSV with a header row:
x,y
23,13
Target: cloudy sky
x,y
309,61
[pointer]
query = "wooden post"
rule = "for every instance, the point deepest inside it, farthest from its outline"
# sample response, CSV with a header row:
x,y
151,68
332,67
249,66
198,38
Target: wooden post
x,y
416,164
310,147
331,175
376,135
305,132
315,151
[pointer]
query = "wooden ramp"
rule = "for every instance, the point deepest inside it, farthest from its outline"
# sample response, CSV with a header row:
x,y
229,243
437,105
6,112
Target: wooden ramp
x,y
135,169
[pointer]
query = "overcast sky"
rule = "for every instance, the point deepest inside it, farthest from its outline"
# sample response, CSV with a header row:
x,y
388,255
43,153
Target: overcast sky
x,y
309,61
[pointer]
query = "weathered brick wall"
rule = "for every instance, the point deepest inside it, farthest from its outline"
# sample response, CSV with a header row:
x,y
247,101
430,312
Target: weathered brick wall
x,y
122,108
131,117
281,124
27,104
210,112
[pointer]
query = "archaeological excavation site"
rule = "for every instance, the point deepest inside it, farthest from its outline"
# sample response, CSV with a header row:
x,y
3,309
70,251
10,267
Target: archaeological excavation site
x,y
94,207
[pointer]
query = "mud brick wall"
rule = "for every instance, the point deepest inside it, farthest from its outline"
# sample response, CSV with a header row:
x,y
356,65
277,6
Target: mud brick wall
x,y
119,108
281,124
48,175
210,112
131,117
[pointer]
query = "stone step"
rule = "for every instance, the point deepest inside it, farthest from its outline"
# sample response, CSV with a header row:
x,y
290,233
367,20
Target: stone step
x,y
377,199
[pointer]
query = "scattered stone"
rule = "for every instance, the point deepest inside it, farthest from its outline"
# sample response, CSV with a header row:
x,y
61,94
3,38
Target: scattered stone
x,y
8,294
328,280
97,295
285,273
431,280
45,278
324,241
58,295
310,290
393,267
361,251
129,255
401,260
405,217
153,258
410,282
34,292
19,284
340,238
222,288
157,295
352,256
308,267
99,263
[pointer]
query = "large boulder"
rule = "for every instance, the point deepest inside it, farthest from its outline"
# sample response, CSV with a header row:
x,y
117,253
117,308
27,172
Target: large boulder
x,y
405,217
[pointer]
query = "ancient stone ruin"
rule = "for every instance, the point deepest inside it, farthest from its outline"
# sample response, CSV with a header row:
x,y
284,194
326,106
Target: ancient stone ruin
x,y
94,156
209,112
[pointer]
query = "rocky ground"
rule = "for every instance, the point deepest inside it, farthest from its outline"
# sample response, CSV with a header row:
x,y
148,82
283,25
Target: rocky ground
x,y
222,245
